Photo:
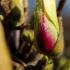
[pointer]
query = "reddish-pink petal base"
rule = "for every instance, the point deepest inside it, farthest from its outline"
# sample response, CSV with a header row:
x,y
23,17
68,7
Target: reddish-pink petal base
x,y
45,39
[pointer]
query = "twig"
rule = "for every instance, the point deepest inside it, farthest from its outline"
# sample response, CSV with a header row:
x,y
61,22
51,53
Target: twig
x,y
15,59
17,38
20,28
5,6
17,66
60,6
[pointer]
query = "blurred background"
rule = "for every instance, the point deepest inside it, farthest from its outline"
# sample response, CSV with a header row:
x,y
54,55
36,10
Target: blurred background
x,y
66,22
66,25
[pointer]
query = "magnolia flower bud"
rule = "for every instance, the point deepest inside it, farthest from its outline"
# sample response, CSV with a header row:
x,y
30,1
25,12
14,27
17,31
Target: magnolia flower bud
x,y
48,31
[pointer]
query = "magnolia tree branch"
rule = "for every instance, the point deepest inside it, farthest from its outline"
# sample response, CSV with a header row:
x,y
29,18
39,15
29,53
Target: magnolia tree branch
x,y
21,27
60,6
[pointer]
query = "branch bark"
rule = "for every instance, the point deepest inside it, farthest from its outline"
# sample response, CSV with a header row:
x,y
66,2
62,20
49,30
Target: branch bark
x,y
60,7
